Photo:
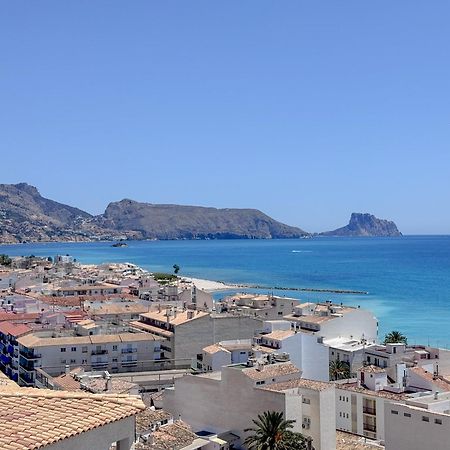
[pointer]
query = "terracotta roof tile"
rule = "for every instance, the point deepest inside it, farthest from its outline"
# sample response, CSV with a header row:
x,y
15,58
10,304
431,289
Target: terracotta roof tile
x,y
41,417
271,370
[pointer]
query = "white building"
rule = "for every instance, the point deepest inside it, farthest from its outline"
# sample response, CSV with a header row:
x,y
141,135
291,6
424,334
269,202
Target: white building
x,y
360,403
418,424
333,321
228,401
305,350
216,356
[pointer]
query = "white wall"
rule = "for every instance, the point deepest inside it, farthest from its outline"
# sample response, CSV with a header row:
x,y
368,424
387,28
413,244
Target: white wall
x,y
412,433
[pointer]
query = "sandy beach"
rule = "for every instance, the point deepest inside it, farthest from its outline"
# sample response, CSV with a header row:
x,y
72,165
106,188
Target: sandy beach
x,y
209,285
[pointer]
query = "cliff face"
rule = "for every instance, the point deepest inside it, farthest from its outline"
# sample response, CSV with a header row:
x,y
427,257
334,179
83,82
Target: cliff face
x,y
26,216
366,225
191,222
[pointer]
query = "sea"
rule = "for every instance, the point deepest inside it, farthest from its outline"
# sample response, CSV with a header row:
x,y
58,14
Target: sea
x,y
407,278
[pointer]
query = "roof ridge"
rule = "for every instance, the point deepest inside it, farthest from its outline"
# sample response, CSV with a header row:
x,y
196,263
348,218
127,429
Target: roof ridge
x,y
121,399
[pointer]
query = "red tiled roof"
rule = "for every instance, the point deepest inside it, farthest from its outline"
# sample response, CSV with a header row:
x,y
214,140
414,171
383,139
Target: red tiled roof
x,y
18,317
14,329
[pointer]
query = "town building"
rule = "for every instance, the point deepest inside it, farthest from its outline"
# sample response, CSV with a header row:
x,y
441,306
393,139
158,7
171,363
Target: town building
x,y
418,423
224,353
9,347
117,352
65,420
266,307
360,403
305,350
330,321
229,400
187,332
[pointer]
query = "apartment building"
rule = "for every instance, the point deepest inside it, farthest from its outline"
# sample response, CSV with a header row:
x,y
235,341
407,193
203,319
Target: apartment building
x,y
9,347
224,353
266,307
187,332
419,423
305,350
87,290
350,351
228,401
53,351
360,403
329,321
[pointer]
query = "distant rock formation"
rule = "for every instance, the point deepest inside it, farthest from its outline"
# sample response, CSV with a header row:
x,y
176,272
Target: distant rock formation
x,y
26,216
365,225
193,222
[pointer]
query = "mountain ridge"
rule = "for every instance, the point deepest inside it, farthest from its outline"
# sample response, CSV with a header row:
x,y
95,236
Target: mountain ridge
x,y
26,216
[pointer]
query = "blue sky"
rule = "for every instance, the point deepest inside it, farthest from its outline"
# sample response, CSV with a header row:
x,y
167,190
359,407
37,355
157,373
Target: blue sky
x,y
305,110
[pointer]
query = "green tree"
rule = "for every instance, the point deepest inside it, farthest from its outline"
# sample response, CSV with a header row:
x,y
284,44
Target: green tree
x,y
5,260
395,337
339,370
273,432
176,268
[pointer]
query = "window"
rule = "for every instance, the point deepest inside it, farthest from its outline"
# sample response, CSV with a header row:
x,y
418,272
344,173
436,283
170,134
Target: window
x,y
306,401
84,349
63,361
425,419
347,415
393,411
73,349
84,361
340,414
114,347
114,360
407,414
73,361
438,421
259,383
63,349
346,399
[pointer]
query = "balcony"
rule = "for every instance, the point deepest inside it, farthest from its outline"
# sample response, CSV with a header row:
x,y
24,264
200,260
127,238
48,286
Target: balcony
x,y
97,364
369,410
129,350
26,380
369,427
129,363
99,352
29,355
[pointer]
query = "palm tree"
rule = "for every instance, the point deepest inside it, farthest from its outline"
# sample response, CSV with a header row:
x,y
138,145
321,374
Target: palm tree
x,y
272,432
395,337
339,370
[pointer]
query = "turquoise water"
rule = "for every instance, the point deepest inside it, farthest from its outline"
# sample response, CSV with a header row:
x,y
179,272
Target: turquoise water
x,y
408,278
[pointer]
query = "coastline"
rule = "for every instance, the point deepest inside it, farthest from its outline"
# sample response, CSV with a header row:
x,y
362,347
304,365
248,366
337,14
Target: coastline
x,y
215,286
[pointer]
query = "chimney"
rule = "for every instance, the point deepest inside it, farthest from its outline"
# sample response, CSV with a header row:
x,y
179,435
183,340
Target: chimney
x,y
108,384
67,369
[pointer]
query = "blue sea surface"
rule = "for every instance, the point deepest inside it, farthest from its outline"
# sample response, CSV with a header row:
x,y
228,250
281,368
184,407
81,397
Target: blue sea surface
x,y
408,278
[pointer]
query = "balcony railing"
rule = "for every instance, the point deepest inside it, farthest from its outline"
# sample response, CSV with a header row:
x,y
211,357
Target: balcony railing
x,y
26,380
369,427
369,410
99,352
30,356
129,363
129,350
